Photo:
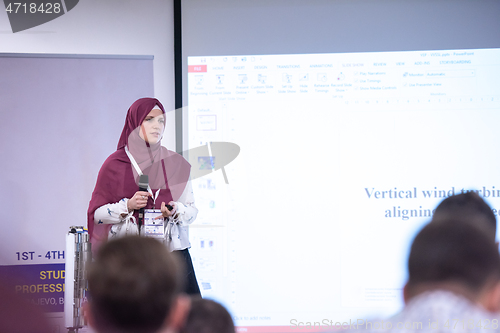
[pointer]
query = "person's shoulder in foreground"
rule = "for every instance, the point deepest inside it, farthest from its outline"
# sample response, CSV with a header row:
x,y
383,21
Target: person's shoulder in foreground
x,y
454,281
134,286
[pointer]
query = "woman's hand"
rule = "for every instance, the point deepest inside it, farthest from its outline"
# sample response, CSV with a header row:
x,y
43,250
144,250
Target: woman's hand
x,y
139,200
165,212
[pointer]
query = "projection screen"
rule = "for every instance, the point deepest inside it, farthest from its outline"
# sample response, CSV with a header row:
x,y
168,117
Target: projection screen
x,y
354,120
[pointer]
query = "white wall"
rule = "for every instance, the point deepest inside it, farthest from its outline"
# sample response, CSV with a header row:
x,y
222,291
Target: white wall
x,y
122,27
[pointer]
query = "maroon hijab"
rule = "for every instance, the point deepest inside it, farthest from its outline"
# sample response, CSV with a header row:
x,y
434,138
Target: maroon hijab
x,y
117,179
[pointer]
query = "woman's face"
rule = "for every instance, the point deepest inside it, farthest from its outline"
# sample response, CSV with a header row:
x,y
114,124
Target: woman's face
x,y
152,127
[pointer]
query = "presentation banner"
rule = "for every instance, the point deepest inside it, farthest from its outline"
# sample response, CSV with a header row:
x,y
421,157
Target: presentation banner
x,y
41,284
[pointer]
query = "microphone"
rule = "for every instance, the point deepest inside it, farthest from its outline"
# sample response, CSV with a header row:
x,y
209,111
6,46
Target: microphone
x,y
143,186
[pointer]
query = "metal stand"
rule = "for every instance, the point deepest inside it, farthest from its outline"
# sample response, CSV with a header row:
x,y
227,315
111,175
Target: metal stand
x,y
78,256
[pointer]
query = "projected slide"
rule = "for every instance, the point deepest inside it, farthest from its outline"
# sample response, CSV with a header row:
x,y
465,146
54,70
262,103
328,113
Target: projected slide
x,y
343,158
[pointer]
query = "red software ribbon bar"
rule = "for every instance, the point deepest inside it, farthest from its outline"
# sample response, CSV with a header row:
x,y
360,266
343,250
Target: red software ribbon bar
x,y
197,68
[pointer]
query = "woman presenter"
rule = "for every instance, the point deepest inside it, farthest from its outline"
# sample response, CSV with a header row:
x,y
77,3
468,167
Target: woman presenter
x,y
166,198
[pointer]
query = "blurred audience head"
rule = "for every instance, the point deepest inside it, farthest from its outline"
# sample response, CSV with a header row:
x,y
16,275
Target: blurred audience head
x,y
456,255
18,315
467,206
134,286
207,316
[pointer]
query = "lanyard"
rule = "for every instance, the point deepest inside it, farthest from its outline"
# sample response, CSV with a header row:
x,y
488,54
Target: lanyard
x,y
139,171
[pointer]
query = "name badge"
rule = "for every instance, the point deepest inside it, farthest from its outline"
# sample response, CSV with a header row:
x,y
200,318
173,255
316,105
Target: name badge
x,y
153,227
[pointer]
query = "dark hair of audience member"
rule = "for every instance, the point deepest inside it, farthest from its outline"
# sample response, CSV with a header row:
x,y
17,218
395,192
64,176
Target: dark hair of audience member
x,y
132,284
466,206
454,251
207,316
